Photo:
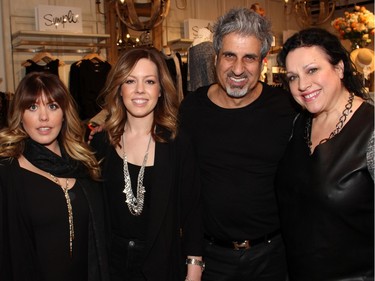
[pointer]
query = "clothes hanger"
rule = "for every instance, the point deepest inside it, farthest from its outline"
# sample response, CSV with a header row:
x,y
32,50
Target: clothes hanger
x,y
43,56
94,57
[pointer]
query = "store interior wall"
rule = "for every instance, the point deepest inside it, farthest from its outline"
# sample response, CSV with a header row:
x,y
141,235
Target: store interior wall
x,y
19,15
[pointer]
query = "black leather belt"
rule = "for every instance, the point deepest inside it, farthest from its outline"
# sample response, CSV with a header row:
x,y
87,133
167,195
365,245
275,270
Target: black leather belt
x,y
242,244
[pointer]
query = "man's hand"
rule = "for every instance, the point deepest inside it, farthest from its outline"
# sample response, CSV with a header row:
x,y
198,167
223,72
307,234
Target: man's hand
x,y
94,128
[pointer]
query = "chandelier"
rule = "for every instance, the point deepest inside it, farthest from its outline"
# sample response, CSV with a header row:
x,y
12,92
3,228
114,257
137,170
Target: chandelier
x,y
310,12
142,15
137,15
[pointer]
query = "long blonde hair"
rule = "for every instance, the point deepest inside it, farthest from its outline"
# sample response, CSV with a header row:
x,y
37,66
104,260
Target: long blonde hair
x,y
71,136
165,114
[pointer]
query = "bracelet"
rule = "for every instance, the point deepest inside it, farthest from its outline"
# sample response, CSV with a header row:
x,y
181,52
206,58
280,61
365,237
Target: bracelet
x,y
196,262
187,279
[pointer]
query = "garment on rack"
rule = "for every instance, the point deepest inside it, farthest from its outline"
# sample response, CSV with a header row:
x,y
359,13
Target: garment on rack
x,y
3,109
201,66
86,79
174,64
50,67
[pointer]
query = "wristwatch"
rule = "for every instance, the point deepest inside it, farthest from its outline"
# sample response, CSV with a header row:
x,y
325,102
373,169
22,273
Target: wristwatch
x,y
196,262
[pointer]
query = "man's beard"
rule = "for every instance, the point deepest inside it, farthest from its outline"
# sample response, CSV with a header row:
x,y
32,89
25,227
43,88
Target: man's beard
x,y
237,92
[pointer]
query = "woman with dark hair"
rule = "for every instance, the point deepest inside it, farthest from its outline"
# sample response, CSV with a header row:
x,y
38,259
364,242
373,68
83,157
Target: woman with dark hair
x,y
325,183
51,208
150,177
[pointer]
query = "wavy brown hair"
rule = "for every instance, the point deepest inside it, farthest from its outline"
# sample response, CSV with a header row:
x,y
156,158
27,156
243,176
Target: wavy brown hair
x,y
165,112
71,136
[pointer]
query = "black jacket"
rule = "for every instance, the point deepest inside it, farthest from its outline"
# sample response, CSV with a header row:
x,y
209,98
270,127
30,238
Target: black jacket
x,y
175,220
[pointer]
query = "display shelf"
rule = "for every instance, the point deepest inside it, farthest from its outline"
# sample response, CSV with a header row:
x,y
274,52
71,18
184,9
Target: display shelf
x,y
41,41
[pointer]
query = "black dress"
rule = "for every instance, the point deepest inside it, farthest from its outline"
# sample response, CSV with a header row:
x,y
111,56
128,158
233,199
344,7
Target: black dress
x,y
327,203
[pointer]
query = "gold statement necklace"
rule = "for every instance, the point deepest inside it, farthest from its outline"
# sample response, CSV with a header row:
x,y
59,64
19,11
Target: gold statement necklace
x,y
70,211
135,204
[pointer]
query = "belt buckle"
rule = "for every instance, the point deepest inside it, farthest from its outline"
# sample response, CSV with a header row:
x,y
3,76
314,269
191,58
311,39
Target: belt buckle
x,y
241,245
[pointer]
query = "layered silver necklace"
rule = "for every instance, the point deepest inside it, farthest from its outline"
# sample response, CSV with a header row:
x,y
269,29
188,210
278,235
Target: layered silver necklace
x,y
135,204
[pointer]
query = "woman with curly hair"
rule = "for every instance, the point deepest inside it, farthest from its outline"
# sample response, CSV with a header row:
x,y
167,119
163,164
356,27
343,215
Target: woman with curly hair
x,y
51,209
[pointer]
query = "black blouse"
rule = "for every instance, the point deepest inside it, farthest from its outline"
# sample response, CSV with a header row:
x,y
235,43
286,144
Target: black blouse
x,y
47,211
121,218
327,203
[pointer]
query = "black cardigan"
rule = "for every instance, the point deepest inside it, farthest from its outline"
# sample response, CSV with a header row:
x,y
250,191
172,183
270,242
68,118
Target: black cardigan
x,y
18,260
175,208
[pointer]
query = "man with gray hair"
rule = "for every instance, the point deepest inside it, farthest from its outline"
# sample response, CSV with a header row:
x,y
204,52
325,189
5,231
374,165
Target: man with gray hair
x,y
240,128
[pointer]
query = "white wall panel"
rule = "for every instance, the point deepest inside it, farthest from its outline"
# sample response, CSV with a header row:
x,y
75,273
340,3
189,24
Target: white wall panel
x,y
19,15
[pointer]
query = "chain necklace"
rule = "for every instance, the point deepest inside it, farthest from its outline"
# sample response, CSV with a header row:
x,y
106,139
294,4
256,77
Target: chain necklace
x,y
70,211
135,204
339,125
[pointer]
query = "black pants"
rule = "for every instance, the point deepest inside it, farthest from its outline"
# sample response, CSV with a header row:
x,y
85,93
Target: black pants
x,y
126,259
263,262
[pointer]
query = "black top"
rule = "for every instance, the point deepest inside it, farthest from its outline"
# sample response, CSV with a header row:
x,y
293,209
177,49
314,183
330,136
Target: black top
x,y
327,203
121,218
238,152
34,228
51,67
86,80
47,210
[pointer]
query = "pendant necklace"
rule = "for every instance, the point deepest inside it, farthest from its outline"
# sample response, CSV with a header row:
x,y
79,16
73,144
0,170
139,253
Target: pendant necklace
x,y
70,211
339,125
135,204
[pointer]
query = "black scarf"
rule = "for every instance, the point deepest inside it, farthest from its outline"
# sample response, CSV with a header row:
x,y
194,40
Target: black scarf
x,y
44,159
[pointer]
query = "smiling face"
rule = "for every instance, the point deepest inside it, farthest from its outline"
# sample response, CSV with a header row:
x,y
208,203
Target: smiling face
x,y
42,121
141,90
313,81
239,64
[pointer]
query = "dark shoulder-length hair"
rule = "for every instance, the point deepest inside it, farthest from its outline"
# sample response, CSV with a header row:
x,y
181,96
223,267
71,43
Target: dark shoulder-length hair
x,y
165,112
335,51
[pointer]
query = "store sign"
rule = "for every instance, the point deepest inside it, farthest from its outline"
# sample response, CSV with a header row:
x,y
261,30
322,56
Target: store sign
x,y
58,18
192,26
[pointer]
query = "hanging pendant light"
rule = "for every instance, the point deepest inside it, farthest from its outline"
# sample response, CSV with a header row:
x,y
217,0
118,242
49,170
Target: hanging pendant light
x,y
132,13
310,12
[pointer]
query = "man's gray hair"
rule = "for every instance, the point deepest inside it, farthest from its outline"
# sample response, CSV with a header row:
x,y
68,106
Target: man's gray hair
x,y
245,22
